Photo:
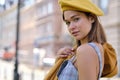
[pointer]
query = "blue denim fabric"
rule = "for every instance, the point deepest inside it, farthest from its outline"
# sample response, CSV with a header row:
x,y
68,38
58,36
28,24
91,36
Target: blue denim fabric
x,y
68,72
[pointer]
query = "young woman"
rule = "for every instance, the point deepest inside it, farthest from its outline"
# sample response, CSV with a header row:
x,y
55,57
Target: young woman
x,y
87,58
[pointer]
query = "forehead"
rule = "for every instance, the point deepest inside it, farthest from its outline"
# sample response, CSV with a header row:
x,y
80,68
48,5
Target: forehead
x,y
69,14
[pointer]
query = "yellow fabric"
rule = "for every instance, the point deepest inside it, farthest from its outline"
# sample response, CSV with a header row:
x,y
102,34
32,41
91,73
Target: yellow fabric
x,y
52,75
110,66
80,5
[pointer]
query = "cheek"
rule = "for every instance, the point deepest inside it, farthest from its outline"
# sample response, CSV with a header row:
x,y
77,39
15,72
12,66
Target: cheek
x,y
89,26
85,26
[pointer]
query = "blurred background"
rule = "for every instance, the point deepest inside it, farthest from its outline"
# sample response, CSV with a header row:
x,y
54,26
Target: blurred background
x,y
41,33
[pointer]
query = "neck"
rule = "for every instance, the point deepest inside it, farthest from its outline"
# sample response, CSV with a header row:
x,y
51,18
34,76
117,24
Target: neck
x,y
83,41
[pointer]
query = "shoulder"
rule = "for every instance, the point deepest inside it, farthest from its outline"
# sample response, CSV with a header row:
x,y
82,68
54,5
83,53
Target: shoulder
x,y
86,53
85,49
87,62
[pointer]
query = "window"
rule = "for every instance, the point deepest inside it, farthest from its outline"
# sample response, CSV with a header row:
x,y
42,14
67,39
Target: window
x,y
49,49
42,10
27,3
49,28
41,29
2,2
15,1
0,30
104,5
50,8
45,29
12,33
45,9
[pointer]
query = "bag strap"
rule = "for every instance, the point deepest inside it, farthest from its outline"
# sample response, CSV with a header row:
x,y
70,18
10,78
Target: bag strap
x,y
73,59
99,57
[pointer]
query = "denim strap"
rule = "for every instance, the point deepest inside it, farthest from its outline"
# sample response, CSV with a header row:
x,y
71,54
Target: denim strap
x,y
99,56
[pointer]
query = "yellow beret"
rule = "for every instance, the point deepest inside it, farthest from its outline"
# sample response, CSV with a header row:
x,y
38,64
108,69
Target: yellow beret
x,y
80,5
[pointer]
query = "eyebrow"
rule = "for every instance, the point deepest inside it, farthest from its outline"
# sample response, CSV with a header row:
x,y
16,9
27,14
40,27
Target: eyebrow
x,y
72,17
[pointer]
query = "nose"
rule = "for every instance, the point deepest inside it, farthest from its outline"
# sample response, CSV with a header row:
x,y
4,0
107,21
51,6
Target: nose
x,y
72,26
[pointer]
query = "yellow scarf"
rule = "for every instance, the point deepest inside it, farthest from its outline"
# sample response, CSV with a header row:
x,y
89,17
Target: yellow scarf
x,y
52,75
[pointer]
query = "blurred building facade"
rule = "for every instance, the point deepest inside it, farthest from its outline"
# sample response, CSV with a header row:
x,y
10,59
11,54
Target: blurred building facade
x,y
41,26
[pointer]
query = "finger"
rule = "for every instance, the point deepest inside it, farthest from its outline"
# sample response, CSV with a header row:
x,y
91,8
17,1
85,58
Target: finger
x,y
70,51
64,51
63,55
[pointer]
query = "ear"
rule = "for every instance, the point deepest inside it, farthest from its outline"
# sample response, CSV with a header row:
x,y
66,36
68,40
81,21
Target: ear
x,y
92,18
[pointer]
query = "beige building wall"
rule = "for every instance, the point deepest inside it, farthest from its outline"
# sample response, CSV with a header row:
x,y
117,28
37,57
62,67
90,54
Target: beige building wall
x,y
49,28
41,27
8,27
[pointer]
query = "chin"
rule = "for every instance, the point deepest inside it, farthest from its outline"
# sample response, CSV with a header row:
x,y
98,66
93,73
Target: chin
x,y
79,38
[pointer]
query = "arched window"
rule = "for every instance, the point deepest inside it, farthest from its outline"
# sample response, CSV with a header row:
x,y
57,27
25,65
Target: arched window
x,y
104,5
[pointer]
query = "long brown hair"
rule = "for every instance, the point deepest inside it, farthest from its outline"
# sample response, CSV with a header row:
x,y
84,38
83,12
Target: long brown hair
x,y
97,33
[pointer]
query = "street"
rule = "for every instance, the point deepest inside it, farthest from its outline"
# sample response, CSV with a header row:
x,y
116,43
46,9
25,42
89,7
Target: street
x,y
25,71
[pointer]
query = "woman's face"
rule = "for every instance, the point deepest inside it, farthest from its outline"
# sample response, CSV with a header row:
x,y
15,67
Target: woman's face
x,y
79,25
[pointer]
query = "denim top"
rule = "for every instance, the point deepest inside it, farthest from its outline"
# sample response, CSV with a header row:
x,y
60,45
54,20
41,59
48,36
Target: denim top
x,y
68,71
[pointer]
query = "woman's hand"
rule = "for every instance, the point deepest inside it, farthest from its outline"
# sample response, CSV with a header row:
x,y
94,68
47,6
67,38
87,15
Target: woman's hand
x,y
64,52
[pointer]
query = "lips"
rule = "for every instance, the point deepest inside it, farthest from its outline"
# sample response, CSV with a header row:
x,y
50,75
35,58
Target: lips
x,y
75,33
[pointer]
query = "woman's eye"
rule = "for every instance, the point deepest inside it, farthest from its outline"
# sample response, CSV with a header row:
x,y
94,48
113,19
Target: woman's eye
x,y
68,23
76,19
